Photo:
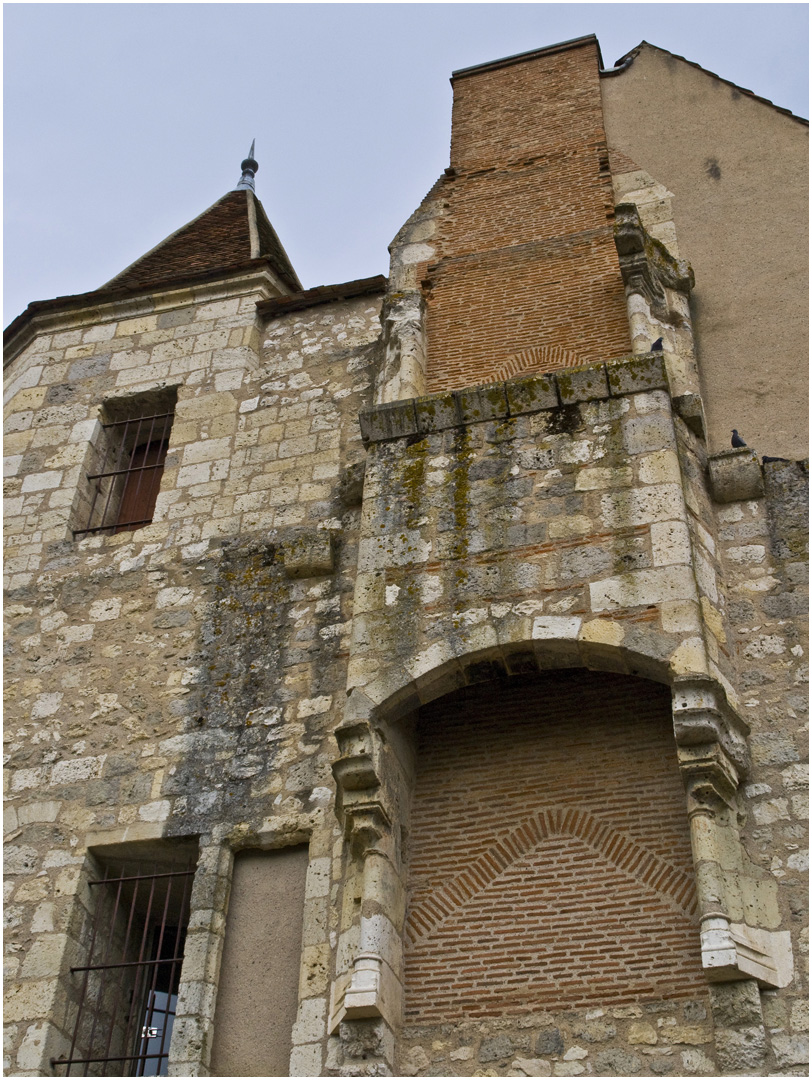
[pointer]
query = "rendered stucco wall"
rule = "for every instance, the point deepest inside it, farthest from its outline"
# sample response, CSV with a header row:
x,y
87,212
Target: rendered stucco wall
x,y
259,977
737,169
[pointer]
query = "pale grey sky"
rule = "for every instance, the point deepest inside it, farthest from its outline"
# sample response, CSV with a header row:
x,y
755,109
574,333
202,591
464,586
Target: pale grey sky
x,y
124,121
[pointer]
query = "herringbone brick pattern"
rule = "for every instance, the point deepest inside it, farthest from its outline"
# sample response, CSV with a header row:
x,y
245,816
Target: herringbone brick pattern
x,y
550,863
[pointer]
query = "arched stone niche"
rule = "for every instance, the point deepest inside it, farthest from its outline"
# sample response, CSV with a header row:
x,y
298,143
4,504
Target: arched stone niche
x,y
375,769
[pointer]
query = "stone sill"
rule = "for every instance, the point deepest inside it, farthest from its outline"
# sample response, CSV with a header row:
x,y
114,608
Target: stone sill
x,y
516,397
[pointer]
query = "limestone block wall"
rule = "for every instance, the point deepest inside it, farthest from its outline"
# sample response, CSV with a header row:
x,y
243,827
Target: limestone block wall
x,y
763,548
543,523
182,679
556,522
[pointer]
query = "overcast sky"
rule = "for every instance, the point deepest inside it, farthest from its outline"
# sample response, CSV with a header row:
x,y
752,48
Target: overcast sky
x,y
124,121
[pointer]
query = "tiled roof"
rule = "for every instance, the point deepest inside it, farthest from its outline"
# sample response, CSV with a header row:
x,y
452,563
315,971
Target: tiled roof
x,y
217,240
215,244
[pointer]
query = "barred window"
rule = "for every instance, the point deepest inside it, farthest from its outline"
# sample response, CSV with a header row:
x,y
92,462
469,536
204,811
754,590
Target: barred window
x,y
125,464
125,985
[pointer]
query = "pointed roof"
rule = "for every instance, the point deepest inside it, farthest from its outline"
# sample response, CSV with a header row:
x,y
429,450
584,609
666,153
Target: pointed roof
x,y
235,229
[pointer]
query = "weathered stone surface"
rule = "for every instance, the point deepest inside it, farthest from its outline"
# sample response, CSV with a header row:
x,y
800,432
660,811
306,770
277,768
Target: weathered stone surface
x,y
549,1043
735,475
646,372
309,554
437,412
531,393
582,384
391,421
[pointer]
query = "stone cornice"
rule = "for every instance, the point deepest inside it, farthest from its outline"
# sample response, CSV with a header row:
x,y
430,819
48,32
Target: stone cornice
x,y
108,305
516,397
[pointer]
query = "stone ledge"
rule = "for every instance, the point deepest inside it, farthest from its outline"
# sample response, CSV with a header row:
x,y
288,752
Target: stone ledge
x,y
308,553
735,475
516,397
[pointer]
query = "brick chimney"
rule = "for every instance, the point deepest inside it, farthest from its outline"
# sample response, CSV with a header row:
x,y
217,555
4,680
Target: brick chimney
x,y
527,277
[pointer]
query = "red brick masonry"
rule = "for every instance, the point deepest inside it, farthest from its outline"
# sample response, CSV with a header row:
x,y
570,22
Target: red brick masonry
x,y
526,258
550,860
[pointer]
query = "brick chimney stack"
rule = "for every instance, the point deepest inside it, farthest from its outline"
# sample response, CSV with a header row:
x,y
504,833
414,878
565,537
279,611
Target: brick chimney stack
x,y
527,277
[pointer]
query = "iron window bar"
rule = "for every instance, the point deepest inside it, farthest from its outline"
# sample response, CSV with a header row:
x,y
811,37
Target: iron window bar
x,y
145,990
124,467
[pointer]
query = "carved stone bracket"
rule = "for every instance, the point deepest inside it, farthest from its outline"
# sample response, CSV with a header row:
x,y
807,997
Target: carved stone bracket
x,y
711,742
646,265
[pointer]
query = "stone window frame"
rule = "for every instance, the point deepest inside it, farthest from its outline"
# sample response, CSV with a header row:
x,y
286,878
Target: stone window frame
x,y
95,949
113,475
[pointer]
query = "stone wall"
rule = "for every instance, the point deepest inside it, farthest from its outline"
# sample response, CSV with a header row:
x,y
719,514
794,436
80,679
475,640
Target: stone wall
x,y
180,680
252,671
516,528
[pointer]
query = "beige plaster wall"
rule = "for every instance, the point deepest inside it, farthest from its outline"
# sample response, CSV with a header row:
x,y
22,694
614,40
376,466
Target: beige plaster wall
x,y
259,977
737,169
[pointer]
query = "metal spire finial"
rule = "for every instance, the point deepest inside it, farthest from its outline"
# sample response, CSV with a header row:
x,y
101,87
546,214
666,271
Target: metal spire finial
x,y
249,168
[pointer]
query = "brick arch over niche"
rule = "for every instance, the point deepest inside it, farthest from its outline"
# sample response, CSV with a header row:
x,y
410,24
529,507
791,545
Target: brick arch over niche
x,y
540,358
549,854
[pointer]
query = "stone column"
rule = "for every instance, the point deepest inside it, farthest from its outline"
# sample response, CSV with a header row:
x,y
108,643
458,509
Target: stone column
x,y
366,1000
403,372
734,896
658,288
190,1049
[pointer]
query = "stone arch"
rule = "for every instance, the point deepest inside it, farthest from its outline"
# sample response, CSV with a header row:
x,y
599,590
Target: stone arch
x,y
373,771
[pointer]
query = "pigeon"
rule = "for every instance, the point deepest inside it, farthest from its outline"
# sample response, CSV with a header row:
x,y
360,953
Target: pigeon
x,y
766,459
657,346
737,441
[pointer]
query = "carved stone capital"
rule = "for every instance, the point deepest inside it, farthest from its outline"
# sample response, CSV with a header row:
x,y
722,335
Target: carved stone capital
x,y
355,768
646,265
366,825
710,778
703,717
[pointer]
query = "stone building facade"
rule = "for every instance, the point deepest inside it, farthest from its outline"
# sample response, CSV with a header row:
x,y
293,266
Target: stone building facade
x,y
423,632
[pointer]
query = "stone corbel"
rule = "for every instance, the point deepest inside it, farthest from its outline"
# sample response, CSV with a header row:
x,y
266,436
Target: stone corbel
x,y
712,749
370,988
646,265
355,767
711,741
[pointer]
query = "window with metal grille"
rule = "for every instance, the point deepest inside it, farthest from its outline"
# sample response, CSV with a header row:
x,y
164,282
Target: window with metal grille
x,y
125,464
125,986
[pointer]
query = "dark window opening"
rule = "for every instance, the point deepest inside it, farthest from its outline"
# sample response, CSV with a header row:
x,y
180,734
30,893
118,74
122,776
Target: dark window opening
x,y
126,464
125,986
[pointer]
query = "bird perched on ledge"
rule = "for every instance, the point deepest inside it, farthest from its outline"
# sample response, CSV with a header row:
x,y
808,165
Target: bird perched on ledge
x,y
657,346
737,441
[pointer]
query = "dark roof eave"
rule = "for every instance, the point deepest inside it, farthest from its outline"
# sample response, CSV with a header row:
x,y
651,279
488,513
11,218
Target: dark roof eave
x,y
78,301
322,294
